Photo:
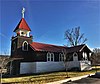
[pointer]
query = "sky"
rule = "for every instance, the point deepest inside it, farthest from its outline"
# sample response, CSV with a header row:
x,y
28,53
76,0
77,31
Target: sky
x,y
49,19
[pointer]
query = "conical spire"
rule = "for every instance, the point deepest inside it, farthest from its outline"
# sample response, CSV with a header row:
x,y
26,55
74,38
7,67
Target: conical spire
x,y
22,25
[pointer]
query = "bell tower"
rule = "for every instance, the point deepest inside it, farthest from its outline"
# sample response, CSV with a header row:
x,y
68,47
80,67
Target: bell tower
x,y
20,42
22,28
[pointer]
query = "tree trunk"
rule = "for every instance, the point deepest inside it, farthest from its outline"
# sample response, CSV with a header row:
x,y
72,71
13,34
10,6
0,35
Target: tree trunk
x,y
66,68
1,76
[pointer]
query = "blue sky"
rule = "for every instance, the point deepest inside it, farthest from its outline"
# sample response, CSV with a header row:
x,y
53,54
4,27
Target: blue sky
x,y
49,19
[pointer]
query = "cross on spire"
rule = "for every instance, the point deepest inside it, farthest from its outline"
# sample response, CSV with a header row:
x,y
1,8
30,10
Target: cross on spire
x,y
23,11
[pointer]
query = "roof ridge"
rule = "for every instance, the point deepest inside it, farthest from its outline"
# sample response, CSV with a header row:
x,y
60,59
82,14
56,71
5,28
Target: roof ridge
x,y
77,45
46,47
48,44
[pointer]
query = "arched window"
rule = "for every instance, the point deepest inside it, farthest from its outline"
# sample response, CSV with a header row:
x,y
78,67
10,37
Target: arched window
x,y
50,56
85,56
25,46
75,54
61,57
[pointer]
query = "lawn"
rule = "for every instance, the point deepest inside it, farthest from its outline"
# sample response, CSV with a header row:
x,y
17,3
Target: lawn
x,y
45,78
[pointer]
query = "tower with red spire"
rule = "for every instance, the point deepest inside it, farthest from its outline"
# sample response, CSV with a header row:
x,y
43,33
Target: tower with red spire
x,y
20,42
22,29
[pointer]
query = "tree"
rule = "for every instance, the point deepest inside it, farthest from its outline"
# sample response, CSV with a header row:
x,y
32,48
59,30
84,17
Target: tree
x,y
3,64
66,60
95,57
74,37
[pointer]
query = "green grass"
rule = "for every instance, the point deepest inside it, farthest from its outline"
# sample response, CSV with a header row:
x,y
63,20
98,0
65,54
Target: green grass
x,y
45,78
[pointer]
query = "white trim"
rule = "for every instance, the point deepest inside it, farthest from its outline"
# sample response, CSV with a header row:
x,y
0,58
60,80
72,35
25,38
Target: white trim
x,y
82,48
23,46
50,56
84,54
75,54
61,57
26,32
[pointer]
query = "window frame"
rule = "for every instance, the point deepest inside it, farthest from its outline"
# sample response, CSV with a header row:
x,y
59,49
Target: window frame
x,y
75,54
85,57
61,57
23,46
50,56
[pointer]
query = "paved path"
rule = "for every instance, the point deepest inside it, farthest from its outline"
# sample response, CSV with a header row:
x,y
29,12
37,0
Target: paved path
x,y
69,79
85,81
95,79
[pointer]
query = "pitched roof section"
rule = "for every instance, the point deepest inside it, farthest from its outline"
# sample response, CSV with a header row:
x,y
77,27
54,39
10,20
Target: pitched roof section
x,y
77,48
53,48
46,47
22,25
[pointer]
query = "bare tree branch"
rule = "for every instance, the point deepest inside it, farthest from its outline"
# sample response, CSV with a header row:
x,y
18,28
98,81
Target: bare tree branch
x,y
74,37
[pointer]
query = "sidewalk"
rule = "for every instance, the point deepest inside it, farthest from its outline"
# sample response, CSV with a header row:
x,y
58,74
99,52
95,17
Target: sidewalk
x,y
70,79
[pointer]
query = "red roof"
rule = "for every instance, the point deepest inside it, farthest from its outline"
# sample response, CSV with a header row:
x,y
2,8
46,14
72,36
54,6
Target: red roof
x,y
53,48
22,25
46,47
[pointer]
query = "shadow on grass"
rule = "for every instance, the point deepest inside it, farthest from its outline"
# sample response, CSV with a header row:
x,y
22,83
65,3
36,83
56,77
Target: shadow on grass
x,y
29,74
31,81
46,73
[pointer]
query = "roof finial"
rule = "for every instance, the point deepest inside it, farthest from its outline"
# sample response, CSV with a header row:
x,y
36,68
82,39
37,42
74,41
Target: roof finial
x,y
23,10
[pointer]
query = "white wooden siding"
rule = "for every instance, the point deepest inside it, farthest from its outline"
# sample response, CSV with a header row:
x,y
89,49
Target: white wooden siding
x,y
27,67
40,67
49,66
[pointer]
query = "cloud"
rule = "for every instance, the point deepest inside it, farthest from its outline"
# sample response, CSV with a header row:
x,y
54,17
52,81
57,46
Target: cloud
x,y
3,35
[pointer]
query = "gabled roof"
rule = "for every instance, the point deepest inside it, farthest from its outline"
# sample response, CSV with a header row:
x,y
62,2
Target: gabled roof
x,y
77,48
54,48
22,25
46,47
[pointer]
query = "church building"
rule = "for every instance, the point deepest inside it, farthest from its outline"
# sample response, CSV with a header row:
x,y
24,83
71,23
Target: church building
x,y
39,57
